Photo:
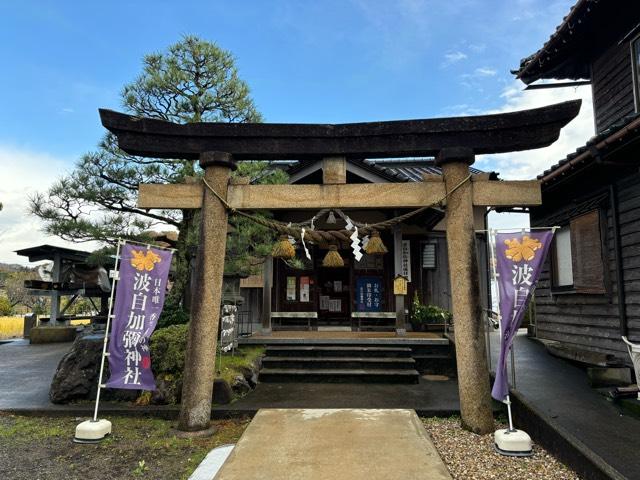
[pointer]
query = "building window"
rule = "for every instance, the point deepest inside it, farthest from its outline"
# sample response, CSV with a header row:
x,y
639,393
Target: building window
x,y
429,256
635,60
578,256
562,260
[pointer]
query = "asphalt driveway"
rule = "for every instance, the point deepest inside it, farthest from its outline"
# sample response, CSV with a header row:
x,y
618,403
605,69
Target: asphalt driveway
x,y
26,372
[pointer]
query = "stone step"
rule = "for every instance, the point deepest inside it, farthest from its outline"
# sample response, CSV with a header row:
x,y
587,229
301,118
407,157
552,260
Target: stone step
x,y
432,356
339,375
325,362
336,351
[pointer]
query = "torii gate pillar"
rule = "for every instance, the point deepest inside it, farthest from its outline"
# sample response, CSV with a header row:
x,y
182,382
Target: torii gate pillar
x,y
197,388
473,375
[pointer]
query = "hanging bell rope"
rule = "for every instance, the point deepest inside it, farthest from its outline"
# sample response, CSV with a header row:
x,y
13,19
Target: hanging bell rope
x,y
331,236
333,259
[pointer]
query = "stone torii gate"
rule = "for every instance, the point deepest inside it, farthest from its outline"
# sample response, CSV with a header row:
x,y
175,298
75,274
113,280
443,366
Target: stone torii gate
x,y
454,142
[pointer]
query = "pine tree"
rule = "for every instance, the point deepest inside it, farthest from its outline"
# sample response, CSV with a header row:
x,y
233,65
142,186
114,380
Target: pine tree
x,y
193,81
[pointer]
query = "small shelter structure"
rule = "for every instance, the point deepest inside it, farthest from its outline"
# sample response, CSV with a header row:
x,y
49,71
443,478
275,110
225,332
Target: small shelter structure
x,y
453,142
69,276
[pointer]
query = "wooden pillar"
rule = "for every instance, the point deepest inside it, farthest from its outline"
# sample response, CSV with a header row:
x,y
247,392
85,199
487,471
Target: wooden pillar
x,y
56,277
334,170
473,375
401,324
197,389
267,276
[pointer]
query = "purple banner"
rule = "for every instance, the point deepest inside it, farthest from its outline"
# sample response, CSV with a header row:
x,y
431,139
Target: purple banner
x,y
138,304
519,259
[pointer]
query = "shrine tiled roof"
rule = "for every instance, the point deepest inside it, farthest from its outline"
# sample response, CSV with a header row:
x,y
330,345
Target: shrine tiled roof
x,y
409,170
620,133
567,54
392,170
545,63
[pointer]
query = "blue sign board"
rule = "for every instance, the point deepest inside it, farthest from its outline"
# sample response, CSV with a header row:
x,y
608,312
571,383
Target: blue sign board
x,y
368,294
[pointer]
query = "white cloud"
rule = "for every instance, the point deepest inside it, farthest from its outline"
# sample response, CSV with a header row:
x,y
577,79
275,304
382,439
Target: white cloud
x,y
485,72
474,80
530,163
477,47
508,220
453,57
25,172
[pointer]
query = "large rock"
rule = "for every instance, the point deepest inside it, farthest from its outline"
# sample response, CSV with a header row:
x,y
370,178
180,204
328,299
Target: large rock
x,y
222,393
240,386
77,375
250,375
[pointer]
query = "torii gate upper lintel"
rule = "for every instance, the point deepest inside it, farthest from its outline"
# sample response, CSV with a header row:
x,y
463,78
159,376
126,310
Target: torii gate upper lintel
x,y
453,141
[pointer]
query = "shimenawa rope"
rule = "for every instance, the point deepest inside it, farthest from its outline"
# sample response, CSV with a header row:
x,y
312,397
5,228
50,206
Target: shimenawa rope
x,y
330,235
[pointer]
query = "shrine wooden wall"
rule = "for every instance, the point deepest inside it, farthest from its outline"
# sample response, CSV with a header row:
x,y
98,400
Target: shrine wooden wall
x,y
591,321
612,83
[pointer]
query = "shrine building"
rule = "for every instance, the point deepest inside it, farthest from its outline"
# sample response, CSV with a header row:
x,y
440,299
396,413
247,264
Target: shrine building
x,y
304,295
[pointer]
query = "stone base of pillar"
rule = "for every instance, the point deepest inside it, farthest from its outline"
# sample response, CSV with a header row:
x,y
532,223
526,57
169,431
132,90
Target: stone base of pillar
x,y
265,331
401,332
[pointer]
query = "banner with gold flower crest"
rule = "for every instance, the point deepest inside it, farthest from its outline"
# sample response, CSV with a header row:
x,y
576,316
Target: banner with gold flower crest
x,y
142,283
519,259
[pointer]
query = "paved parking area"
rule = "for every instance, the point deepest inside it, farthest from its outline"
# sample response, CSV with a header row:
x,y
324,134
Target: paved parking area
x,y
26,372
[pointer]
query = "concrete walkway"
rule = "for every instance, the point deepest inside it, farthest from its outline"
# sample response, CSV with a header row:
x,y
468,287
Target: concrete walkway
x,y
334,444
26,372
561,391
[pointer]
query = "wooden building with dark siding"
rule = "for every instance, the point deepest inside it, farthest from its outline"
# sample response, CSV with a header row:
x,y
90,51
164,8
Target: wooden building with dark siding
x,y
589,292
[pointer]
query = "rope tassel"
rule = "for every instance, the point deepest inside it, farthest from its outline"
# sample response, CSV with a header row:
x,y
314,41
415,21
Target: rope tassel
x,y
333,259
283,248
375,245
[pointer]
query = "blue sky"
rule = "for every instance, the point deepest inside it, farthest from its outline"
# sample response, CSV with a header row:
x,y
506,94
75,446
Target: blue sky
x,y
320,61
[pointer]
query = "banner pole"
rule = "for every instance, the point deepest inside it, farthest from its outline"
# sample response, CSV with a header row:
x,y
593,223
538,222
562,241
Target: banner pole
x,y
513,366
494,270
487,328
508,402
106,332
516,229
494,274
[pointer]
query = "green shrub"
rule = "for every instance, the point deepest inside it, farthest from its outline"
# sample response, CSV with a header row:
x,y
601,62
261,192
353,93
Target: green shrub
x,y
428,314
5,307
168,349
172,314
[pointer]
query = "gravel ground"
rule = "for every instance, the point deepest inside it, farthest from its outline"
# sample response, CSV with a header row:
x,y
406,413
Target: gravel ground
x,y
470,456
